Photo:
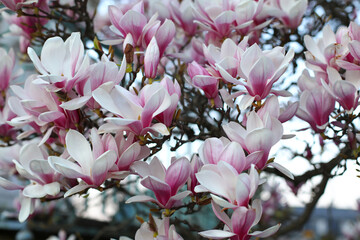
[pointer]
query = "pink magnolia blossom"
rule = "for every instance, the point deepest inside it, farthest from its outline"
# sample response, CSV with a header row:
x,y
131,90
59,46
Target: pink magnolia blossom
x,y
44,181
128,150
183,15
62,64
83,163
327,51
238,226
200,78
260,134
350,37
216,18
165,183
344,91
315,108
214,150
229,188
41,109
133,22
289,12
105,74
135,112
259,70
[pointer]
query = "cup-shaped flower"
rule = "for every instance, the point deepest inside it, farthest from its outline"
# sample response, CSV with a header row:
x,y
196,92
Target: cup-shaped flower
x,y
289,12
34,166
260,134
183,15
214,150
196,165
128,151
229,188
315,108
62,64
105,74
83,163
165,183
344,91
200,78
260,70
327,51
135,112
44,181
239,225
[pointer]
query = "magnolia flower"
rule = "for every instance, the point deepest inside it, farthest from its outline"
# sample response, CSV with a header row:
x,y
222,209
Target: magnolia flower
x,y
214,150
344,91
238,227
260,70
350,37
214,17
128,150
135,23
315,108
105,74
62,64
165,183
261,134
39,108
201,79
289,12
327,51
183,15
44,181
223,181
135,112
83,163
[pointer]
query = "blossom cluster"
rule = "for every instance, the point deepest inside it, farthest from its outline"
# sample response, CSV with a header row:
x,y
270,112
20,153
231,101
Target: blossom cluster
x,y
81,121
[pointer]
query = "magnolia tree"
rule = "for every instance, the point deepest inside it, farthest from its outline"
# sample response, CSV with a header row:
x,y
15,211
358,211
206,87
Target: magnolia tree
x,y
109,91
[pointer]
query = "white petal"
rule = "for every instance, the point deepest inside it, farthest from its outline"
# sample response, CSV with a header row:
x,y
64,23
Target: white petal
x,y
79,148
216,234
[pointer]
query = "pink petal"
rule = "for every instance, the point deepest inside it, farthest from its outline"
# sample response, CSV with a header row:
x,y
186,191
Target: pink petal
x,y
177,174
6,184
161,189
102,165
